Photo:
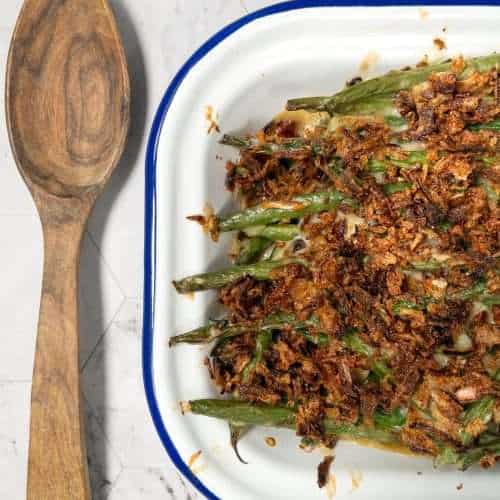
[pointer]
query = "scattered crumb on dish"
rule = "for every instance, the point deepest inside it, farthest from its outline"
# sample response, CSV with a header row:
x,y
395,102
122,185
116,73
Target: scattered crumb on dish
x,y
194,465
424,14
194,457
439,43
210,117
444,29
369,62
460,486
270,441
419,473
324,470
356,478
331,487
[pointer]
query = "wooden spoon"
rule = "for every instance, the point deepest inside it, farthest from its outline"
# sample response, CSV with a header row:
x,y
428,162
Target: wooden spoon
x,y
67,103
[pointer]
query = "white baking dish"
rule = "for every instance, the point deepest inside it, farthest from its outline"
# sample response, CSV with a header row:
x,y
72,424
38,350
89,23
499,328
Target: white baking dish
x,y
246,73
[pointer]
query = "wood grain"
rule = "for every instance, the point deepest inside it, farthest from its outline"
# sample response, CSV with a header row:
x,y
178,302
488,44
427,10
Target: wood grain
x,y
68,94
57,466
67,101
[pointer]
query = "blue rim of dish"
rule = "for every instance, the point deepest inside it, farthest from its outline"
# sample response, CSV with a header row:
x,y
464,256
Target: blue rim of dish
x,y
150,192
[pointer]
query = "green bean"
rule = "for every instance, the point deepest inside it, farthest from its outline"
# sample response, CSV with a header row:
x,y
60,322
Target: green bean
x,y
378,93
429,265
262,343
281,416
269,213
394,420
480,411
493,125
396,187
277,232
354,343
252,249
470,293
219,279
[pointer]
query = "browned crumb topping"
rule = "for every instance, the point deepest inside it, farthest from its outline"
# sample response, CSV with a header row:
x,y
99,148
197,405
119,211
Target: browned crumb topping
x,y
324,470
439,43
395,271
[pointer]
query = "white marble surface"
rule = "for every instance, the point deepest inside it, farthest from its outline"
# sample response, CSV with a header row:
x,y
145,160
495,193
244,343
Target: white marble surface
x,y
126,458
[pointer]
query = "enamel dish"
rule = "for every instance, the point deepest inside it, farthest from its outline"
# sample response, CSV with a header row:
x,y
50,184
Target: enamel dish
x,y
240,79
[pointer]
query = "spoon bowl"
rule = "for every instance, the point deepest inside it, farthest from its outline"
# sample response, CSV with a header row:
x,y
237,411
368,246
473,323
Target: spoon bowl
x,y
67,108
67,95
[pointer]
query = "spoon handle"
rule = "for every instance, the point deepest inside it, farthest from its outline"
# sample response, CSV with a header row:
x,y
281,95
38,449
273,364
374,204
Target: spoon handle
x,y
57,468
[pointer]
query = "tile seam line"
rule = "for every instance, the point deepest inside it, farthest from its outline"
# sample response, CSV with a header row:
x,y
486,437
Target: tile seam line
x,y
108,443
106,264
105,331
113,484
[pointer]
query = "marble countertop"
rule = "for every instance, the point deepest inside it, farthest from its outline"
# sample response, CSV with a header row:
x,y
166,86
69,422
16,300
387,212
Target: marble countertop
x,y
127,461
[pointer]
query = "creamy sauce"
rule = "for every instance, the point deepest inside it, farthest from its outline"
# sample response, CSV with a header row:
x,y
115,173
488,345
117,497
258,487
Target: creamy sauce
x,y
309,120
304,120
394,448
234,249
352,121
412,146
352,222
286,205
